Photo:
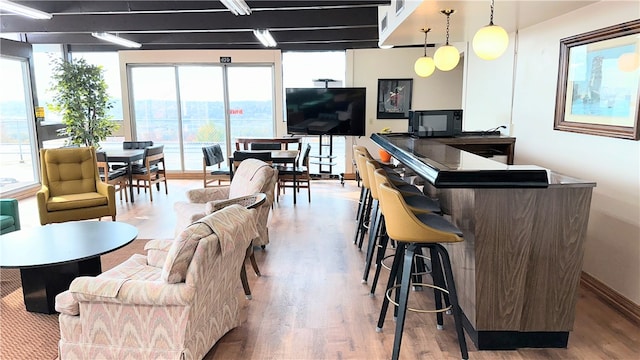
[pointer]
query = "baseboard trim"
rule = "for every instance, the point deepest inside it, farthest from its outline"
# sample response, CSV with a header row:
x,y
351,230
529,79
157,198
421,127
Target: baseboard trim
x,y
620,303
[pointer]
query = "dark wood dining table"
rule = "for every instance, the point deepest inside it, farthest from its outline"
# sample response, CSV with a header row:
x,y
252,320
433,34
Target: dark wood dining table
x,y
128,157
279,157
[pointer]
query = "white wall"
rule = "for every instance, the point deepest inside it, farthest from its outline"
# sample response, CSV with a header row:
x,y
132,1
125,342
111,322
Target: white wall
x,y
613,237
442,90
487,94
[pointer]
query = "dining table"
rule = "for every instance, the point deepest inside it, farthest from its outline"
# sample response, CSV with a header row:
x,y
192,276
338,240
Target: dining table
x,y
128,157
278,157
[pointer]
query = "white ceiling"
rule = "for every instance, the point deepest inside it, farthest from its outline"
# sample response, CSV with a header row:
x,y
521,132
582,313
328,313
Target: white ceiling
x,y
470,15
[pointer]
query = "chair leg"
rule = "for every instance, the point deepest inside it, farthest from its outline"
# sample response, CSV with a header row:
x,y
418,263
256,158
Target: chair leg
x,y
453,297
254,264
397,259
382,248
403,299
245,282
374,231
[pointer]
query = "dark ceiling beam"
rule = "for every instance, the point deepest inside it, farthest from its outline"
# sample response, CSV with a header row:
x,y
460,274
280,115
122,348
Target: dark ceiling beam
x,y
231,38
146,5
191,21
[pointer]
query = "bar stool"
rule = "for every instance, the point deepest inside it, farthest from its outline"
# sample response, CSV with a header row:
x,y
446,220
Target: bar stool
x,y
356,149
412,232
359,149
365,215
417,203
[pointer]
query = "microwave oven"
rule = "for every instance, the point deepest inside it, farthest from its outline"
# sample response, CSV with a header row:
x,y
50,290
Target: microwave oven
x,y
435,123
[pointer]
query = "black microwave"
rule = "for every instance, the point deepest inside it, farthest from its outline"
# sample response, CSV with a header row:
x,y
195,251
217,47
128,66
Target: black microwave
x,y
435,123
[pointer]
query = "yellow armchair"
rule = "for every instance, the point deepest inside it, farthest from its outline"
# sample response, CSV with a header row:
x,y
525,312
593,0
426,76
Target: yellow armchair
x,y
71,187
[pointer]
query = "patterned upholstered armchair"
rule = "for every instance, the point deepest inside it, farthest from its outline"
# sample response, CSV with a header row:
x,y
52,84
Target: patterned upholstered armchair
x,y
252,176
174,303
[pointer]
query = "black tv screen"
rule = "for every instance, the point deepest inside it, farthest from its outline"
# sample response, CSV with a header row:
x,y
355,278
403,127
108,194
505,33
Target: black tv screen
x,y
320,111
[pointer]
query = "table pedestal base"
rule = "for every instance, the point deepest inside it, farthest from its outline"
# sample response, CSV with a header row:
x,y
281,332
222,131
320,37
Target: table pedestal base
x,y
40,285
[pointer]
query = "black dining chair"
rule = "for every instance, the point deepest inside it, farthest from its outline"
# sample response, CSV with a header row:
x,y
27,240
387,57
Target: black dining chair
x,y
212,156
239,156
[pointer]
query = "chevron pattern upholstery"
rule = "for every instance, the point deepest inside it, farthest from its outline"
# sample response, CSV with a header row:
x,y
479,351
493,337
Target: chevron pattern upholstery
x,y
133,312
252,176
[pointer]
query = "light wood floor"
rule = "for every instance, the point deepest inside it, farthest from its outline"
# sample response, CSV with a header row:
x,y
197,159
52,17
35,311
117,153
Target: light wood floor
x,y
310,303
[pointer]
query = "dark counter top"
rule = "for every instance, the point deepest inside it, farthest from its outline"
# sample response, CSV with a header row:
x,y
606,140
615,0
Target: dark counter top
x,y
445,166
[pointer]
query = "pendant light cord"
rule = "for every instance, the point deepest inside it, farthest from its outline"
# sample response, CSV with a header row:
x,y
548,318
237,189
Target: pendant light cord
x,y
426,31
448,15
491,17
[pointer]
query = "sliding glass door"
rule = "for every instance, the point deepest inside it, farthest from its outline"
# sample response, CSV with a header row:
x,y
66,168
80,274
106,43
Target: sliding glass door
x,y
18,146
186,107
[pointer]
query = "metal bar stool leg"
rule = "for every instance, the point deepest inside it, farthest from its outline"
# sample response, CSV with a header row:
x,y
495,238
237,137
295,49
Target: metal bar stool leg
x,y
361,221
453,297
397,259
403,296
382,247
374,233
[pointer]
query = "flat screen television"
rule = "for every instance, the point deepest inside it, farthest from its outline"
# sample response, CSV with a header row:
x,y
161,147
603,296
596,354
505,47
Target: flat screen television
x,y
321,111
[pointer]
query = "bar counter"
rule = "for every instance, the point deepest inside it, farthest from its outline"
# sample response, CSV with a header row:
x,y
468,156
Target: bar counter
x,y
518,269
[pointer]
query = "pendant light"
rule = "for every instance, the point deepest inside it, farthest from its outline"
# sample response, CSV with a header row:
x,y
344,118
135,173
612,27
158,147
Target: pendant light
x,y
424,66
446,57
491,41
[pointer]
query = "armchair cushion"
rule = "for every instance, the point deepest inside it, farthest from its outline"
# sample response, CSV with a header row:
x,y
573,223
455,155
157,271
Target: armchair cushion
x,y
181,252
75,201
157,251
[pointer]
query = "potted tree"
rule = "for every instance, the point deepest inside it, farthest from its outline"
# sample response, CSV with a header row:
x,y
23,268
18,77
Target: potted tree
x,y
80,95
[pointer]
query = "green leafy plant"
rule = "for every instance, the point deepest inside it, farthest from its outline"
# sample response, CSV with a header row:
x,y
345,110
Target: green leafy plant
x,y
80,95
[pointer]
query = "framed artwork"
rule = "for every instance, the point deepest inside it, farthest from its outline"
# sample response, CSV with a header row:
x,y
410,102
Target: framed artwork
x,y
394,98
599,81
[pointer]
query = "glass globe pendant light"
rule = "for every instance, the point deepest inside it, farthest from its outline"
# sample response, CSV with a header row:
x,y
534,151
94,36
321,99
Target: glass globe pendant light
x,y
446,57
491,41
424,66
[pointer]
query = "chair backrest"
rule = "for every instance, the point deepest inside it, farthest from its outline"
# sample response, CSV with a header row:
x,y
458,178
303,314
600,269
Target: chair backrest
x,y
266,146
154,155
103,165
361,161
305,156
250,177
69,170
371,175
136,144
403,225
243,155
213,154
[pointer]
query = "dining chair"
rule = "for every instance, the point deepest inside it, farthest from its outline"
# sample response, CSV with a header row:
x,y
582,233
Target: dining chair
x,y
212,156
116,177
303,178
152,172
239,156
133,145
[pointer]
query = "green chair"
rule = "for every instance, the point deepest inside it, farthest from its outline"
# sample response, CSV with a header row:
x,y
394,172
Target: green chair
x,y
9,216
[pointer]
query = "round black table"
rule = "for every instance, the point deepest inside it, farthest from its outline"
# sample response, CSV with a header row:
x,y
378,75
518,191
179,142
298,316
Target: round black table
x,y
51,256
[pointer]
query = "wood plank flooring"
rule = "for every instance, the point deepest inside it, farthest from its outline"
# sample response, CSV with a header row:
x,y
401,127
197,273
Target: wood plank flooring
x,y
310,302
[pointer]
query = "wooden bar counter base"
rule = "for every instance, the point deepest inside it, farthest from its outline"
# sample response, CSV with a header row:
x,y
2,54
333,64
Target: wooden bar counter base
x,y
518,270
